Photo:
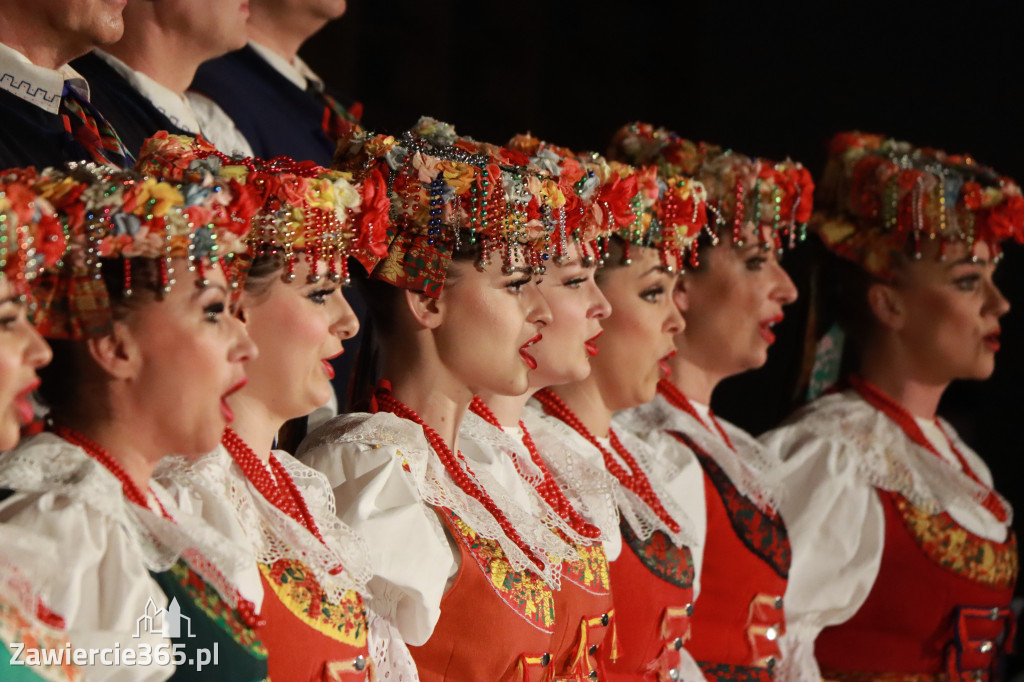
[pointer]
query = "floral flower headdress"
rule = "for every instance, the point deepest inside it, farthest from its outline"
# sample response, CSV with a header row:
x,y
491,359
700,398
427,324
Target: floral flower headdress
x,y
31,236
299,207
439,195
880,198
109,214
776,198
618,199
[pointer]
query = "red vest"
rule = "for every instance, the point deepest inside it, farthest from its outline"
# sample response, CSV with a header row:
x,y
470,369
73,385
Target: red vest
x,y
307,637
584,616
938,606
654,581
496,623
738,616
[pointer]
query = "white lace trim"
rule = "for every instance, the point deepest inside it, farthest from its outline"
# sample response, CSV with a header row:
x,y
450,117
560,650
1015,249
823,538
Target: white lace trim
x,y
48,464
484,433
388,651
746,467
552,435
889,460
436,487
272,534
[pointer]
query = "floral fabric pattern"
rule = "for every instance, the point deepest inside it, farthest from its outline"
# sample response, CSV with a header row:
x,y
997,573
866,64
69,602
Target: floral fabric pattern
x,y
670,563
299,591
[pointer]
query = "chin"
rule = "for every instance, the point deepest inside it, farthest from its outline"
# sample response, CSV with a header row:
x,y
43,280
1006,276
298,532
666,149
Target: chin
x,y
9,434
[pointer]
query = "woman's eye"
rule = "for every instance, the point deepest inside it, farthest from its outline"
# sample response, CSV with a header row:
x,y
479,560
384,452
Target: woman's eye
x,y
574,282
517,285
214,311
653,294
7,322
967,282
755,263
320,296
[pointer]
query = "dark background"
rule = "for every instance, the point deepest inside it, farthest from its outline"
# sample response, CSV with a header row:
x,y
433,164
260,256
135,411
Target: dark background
x,y
767,79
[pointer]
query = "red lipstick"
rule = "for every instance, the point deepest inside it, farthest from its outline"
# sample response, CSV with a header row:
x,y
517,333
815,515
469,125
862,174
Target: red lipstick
x,y
664,366
765,327
991,340
227,412
591,345
23,405
527,358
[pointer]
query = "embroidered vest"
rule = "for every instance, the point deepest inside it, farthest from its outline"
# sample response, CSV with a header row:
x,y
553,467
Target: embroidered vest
x,y
496,623
651,628
938,608
584,616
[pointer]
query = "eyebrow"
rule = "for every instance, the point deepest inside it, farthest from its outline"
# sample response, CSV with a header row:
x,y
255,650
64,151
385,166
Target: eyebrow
x,y
660,270
521,269
15,299
969,259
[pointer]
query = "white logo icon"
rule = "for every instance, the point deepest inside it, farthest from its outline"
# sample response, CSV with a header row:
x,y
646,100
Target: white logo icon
x,y
164,622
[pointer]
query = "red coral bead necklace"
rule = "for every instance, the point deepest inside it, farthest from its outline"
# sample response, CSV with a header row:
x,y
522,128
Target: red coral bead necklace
x,y
634,479
678,399
548,488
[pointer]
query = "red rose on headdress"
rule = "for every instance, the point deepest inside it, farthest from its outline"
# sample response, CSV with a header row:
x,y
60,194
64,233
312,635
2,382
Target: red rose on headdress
x,y
51,242
973,196
1006,221
869,175
245,203
571,171
370,244
514,157
618,196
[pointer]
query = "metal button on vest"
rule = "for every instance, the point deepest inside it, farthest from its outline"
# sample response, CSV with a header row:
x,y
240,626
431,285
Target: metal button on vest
x,y
360,663
778,603
605,619
985,647
673,674
545,659
771,634
677,643
770,663
592,674
592,650
689,609
994,613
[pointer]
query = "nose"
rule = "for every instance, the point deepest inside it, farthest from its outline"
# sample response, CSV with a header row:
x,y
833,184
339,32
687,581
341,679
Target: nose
x,y
538,312
242,348
674,322
783,290
346,323
600,308
38,353
995,302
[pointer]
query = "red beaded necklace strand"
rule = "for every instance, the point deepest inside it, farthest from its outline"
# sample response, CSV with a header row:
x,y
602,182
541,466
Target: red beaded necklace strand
x,y
634,480
548,487
677,399
131,491
882,402
279,489
455,464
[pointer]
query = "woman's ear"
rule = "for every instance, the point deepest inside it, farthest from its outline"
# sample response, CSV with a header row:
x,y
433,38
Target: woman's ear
x,y
427,311
887,305
117,352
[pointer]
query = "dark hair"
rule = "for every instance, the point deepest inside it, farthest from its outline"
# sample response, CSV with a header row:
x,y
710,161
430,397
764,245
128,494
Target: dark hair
x,y
71,368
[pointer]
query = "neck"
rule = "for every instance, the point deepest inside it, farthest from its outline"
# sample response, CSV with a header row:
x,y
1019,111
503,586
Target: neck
x,y
428,389
282,32
41,47
695,382
919,398
123,444
254,423
584,398
166,57
508,409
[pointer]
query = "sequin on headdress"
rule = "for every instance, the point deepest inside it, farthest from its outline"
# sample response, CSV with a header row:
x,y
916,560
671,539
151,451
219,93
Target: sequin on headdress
x,y
881,199
775,198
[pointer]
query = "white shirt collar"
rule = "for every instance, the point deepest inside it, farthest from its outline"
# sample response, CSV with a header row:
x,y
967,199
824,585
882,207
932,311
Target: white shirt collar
x,y
296,70
171,104
37,85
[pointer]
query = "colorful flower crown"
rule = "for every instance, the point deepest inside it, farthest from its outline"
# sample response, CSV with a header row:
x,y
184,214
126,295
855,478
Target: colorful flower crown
x,y
31,236
300,207
109,214
442,195
775,197
618,199
881,198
